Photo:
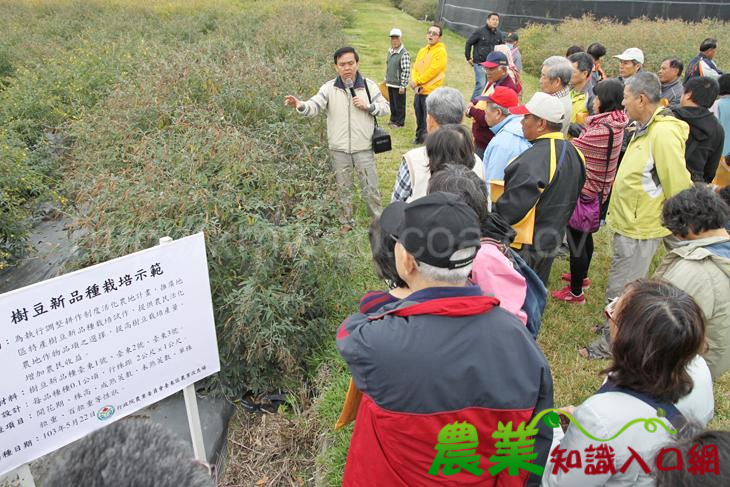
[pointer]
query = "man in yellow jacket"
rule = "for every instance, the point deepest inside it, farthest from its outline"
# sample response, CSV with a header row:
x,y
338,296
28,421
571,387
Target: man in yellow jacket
x,y
429,72
652,171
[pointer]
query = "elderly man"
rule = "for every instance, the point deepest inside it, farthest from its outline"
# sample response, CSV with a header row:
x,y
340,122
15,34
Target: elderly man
x,y
652,171
429,72
581,92
630,63
547,177
703,64
509,141
397,74
351,104
497,75
706,135
429,361
444,106
478,46
669,74
555,77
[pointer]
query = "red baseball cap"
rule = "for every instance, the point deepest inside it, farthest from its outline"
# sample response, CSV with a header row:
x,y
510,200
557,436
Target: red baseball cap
x,y
502,96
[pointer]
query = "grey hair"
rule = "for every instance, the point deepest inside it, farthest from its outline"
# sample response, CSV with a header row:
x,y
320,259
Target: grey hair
x,y
503,110
442,274
559,67
647,84
446,105
129,452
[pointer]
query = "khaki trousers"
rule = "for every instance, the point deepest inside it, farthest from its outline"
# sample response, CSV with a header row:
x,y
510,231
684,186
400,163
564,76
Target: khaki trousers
x,y
363,163
631,260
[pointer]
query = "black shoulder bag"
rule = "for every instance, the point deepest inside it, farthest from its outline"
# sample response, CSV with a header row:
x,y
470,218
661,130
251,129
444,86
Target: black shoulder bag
x,y
381,138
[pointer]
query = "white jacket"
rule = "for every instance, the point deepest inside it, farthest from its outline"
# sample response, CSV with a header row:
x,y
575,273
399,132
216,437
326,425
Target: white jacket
x,y
349,129
603,415
418,169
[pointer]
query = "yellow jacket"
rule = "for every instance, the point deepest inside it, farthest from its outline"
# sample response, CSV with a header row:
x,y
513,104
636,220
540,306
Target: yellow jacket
x,y
652,171
429,69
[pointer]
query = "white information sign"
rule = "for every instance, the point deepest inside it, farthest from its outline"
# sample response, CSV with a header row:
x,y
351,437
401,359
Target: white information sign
x,y
80,351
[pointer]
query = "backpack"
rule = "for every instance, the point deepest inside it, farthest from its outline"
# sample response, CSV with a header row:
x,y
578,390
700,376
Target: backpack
x,y
536,296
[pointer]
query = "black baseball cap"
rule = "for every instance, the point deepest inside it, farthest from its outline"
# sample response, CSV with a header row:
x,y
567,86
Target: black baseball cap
x,y
432,228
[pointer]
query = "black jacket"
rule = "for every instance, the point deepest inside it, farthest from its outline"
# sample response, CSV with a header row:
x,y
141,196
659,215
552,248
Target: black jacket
x,y
704,145
526,181
483,40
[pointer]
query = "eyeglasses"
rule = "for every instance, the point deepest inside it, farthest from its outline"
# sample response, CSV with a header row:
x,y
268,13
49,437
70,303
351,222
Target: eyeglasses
x,y
610,308
433,33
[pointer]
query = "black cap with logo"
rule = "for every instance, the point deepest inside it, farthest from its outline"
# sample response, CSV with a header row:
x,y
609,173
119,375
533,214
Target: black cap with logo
x,y
432,228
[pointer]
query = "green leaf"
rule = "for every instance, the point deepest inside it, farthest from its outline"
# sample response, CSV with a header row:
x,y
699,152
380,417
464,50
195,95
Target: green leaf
x,y
552,419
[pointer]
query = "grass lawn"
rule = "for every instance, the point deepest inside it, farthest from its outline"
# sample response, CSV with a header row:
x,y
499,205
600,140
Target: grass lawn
x,y
565,327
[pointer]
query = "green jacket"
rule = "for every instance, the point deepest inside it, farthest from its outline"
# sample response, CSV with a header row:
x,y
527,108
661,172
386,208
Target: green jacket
x,y
706,277
652,171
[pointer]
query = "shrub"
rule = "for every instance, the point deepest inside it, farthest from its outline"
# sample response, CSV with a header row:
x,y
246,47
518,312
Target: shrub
x,y
199,140
18,185
657,38
56,62
420,9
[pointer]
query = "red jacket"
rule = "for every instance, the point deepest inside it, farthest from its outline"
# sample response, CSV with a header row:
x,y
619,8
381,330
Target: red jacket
x,y
442,355
479,128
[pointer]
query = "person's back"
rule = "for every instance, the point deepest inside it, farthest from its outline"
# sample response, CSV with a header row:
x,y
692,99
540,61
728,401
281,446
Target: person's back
x,y
542,184
605,414
444,354
702,268
428,371
706,135
508,143
494,269
701,265
721,109
722,112
658,331
560,192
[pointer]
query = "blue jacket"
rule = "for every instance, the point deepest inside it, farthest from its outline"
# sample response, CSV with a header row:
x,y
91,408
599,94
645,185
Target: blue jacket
x,y
721,110
508,143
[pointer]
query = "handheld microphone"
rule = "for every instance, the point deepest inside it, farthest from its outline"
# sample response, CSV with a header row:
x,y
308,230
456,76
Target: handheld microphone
x,y
350,85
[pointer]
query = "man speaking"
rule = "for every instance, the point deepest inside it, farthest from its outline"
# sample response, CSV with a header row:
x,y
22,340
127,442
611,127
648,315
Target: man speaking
x,y
350,102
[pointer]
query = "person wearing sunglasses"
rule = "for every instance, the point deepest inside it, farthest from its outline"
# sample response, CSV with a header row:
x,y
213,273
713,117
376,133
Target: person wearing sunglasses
x,y
429,72
658,331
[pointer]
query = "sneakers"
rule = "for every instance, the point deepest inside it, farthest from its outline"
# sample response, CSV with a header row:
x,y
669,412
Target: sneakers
x,y
586,281
568,297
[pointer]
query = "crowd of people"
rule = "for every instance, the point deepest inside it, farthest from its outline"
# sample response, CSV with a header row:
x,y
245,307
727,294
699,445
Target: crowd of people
x,y
476,219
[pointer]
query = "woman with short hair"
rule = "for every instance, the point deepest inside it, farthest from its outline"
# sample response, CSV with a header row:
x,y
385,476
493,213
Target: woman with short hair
x,y
658,331
701,264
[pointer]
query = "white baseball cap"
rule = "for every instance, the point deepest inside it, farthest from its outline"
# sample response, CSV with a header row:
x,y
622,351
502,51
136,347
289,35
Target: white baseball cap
x,y
544,106
632,54
395,33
